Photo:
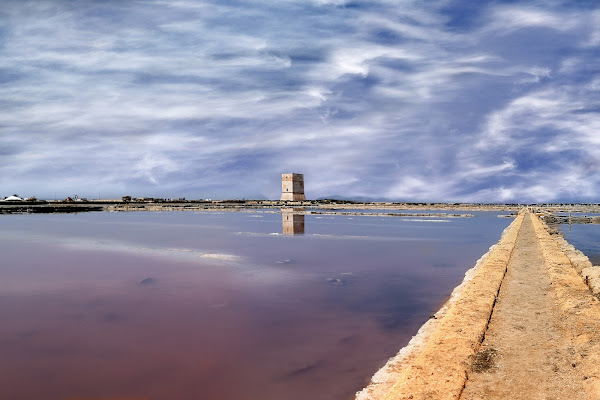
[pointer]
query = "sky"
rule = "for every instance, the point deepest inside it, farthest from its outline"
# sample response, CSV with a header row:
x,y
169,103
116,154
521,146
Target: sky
x,y
438,100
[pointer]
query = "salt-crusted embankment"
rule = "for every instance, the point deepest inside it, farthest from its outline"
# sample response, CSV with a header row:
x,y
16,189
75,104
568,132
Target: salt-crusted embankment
x,y
569,271
435,363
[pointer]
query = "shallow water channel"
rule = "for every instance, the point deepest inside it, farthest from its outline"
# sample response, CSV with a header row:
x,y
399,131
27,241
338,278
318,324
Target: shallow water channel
x,y
585,237
219,305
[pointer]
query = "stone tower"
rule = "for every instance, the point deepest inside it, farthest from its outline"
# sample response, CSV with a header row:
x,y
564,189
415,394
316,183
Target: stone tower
x,y
292,187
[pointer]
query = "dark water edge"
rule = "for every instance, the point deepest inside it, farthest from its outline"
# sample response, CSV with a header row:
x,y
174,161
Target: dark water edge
x,y
219,305
47,209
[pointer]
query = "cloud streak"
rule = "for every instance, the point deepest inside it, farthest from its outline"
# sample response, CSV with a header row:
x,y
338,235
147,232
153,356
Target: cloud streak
x,y
435,101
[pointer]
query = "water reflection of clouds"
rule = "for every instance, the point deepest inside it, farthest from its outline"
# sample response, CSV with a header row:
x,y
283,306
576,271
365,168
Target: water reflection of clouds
x,y
184,254
347,237
426,220
106,245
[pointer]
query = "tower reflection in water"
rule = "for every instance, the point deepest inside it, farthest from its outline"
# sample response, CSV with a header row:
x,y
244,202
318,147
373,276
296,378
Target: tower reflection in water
x,y
292,221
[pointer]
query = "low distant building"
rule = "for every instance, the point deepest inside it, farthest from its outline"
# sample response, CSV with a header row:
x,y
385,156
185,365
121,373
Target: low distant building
x,y
14,197
292,187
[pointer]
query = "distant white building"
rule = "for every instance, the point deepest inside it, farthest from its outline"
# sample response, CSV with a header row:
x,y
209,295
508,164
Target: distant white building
x,y
13,198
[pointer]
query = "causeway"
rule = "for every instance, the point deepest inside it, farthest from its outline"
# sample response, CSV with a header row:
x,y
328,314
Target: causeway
x,y
523,325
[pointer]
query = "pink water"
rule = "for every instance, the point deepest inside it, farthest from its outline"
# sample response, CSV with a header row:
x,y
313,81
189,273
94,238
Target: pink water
x,y
187,305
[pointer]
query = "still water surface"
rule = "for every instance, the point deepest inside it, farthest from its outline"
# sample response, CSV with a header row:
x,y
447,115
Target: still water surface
x,y
208,305
585,237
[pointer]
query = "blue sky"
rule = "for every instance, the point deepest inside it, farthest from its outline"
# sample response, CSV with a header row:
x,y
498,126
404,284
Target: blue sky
x,y
483,101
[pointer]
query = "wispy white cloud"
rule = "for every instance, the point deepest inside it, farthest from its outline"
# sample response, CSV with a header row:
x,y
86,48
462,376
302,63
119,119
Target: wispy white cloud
x,y
411,100
506,19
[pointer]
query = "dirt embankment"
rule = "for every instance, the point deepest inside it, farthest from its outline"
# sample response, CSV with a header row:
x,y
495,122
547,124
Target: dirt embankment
x,y
523,325
525,341
579,308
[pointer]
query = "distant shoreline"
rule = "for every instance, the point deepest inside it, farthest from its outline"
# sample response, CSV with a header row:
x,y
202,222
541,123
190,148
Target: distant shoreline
x,y
32,207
